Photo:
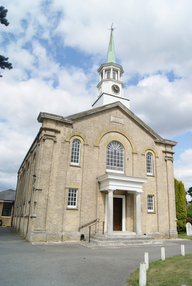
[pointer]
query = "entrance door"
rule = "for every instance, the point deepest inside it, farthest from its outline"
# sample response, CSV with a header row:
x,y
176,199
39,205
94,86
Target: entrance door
x,y
117,214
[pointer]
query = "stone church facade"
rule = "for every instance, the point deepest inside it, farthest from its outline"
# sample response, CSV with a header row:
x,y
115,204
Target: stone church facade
x,y
104,165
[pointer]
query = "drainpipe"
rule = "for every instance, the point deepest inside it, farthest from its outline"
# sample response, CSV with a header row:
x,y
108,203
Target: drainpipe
x,y
33,181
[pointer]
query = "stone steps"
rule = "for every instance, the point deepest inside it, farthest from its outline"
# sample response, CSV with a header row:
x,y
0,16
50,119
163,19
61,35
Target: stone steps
x,y
117,240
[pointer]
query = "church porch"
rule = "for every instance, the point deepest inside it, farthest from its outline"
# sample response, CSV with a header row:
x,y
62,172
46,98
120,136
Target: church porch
x,y
116,186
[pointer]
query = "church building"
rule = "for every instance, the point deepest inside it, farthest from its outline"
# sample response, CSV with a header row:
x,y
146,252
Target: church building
x,y
102,167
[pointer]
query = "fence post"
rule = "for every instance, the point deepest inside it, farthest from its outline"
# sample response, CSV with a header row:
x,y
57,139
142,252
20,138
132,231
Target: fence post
x,y
146,259
162,253
183,250
142,274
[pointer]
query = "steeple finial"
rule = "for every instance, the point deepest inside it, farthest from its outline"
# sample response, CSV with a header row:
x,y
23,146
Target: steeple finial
x,y
111,49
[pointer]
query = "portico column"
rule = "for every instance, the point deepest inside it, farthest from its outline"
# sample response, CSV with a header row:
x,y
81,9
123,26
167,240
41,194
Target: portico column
x,y
110,213
138,214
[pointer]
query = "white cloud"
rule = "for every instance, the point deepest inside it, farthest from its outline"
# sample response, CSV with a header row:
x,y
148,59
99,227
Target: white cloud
x,y
165,106
150,36
183,168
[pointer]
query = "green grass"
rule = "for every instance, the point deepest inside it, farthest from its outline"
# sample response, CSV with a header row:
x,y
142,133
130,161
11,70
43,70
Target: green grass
x,y
174,271
184,236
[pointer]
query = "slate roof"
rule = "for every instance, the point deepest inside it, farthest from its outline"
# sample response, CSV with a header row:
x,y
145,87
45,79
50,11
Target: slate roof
x,y
7,196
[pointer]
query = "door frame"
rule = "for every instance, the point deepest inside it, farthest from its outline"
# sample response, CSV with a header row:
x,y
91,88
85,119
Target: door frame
x,y
123,210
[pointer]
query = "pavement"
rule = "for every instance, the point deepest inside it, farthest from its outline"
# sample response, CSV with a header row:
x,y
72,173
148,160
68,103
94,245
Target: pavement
x,y
69,264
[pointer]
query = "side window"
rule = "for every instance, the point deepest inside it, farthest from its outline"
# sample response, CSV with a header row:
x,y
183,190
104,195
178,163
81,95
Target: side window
x,y
72,198
149,162
150,203
75,152
115,156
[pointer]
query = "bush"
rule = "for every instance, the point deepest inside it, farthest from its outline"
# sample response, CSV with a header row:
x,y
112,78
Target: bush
x,y
181,209
181,225
189,210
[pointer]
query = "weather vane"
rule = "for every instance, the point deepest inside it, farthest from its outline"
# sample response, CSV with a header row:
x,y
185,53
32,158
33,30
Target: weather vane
x,y
112,27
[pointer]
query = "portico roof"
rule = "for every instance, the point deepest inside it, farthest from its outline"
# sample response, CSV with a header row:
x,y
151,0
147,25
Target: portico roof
x,y
119,181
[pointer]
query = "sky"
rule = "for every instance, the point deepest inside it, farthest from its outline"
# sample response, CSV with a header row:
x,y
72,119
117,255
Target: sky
x,y
56,47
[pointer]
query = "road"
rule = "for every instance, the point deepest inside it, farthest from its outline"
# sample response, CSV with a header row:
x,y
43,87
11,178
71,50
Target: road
x,y
69,264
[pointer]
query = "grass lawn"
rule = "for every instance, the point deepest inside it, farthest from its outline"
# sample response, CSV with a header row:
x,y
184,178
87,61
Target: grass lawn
x,y
184,236
173,271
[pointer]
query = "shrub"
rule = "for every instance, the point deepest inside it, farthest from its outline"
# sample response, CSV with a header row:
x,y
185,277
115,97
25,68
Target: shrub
x,y
189,210
181,225
181,210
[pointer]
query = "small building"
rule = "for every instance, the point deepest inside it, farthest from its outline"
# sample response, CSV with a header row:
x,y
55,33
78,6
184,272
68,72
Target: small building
x,y
104,165
7,199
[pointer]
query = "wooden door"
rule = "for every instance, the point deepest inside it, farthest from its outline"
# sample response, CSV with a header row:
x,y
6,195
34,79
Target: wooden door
x,y
117,214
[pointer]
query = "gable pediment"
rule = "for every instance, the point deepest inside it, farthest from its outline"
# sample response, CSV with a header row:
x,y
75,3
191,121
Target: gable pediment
x,y
99,110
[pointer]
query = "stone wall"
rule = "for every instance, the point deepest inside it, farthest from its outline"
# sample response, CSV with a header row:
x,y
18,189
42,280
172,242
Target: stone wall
x,y
41,211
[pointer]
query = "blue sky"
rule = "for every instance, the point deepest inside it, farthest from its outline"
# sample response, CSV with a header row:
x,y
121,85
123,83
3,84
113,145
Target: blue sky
x,y
56,48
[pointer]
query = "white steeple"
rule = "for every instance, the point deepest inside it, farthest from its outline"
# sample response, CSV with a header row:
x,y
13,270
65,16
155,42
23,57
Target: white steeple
x,y
110,87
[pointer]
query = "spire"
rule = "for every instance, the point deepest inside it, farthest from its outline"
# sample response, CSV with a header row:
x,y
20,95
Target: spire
x,y
111,49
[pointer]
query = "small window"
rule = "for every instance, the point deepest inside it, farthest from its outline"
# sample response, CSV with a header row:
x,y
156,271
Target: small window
x,y
108,74
75,153
7,207
72,198
115,156
150,203
149,162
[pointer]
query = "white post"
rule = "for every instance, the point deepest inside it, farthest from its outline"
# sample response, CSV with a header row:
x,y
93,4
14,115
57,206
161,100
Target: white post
x,y
183,250
110,213
119,75
111,75
103,73
138,214
142,274
146,259
162,253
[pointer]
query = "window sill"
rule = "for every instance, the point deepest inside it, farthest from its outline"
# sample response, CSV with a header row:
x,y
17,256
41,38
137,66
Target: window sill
x,y
73,165
72,209
151,212
114,171
150,175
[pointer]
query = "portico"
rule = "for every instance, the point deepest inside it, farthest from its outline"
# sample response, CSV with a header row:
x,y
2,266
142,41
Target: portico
x,y
112,181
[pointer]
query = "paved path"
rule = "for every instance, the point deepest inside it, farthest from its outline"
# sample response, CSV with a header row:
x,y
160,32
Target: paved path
x,y
69,264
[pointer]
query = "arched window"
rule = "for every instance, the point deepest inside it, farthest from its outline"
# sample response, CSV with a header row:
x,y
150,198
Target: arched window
x,y
115,156
75,152
149,162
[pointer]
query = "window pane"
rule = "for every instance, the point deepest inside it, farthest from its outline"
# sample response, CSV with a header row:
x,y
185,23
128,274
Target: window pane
x,y
150,202
115,156
72,197
149,161
75,151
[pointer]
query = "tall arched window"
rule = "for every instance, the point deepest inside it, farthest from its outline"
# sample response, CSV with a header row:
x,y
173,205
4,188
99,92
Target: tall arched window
x,y
149,162
75,152
115,156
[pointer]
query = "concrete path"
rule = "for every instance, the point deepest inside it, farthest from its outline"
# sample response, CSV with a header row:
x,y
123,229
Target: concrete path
x,y
69,264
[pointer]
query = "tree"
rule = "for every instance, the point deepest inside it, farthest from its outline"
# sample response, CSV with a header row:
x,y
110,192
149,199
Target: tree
x,y
4,64
189,192
181,210
3,15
